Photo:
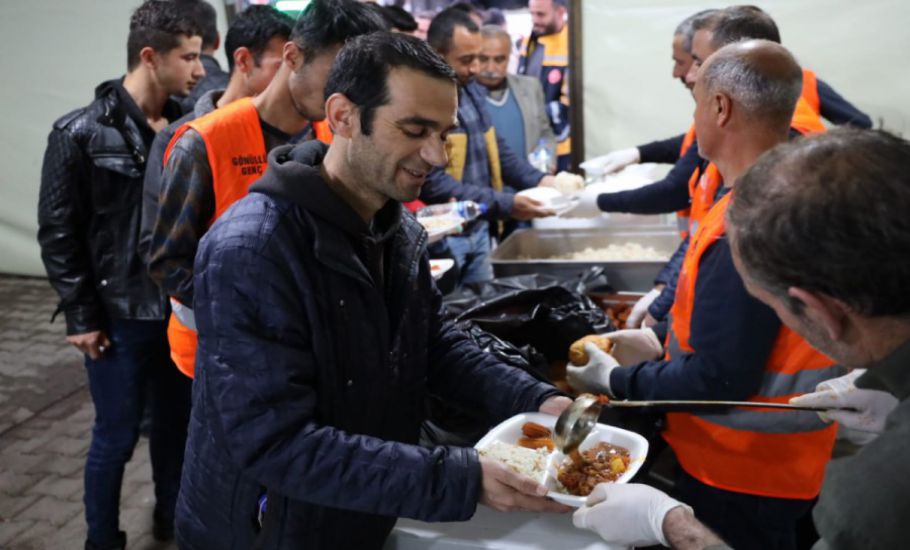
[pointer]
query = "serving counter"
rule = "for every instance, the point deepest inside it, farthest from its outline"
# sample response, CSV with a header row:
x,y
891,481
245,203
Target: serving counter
x,y
533,251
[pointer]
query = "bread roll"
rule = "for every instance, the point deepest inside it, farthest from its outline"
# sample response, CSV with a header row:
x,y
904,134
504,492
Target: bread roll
x,y
577,354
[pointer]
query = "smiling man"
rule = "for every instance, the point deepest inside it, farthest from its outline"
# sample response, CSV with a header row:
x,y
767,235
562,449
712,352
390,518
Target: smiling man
x,y
88,216
321,332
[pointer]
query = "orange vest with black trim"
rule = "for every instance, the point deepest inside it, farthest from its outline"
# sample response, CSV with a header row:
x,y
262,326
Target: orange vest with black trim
x,y
235,148
763,452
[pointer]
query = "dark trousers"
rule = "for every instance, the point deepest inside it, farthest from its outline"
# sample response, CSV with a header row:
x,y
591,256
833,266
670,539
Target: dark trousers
x,y
744,521
136,365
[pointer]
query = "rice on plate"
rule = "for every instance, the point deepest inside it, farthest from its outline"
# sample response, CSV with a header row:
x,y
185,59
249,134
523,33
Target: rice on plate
x,y
527,462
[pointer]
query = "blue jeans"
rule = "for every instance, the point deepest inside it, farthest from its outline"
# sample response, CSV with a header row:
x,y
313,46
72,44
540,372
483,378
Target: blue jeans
x,y
471,251
136,365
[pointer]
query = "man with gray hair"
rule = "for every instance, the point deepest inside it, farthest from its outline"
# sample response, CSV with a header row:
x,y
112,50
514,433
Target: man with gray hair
x,y
857,312
515,102
750,473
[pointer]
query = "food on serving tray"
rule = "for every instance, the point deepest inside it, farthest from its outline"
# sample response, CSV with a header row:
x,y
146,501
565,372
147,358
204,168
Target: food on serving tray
x,y
618,314
577,354
566,182
535,430
581,472
528,462
537,443
611,253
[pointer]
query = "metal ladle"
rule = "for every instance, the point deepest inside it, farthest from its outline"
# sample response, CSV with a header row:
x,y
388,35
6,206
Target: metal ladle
x,y
576,422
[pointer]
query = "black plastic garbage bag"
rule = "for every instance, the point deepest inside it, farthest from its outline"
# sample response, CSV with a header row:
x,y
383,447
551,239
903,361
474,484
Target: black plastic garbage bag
x,y
538,310
527,322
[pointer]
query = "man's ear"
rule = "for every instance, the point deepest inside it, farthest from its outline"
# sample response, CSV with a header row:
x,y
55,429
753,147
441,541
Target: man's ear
x,y
292,55
342,115
217,41
823,311
723,106
243,60
148,57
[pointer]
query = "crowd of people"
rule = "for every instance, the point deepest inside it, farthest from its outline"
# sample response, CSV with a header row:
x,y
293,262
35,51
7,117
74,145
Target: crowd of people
x,y
236,256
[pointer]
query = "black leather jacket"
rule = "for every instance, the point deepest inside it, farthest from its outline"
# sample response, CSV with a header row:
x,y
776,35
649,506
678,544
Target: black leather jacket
x,y
89,211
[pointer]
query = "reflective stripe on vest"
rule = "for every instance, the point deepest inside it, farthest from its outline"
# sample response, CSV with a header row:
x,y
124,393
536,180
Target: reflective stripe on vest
x,y
235,149
756,451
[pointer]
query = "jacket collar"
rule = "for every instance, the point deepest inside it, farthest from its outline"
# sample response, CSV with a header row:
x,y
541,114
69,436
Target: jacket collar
x,y
293,173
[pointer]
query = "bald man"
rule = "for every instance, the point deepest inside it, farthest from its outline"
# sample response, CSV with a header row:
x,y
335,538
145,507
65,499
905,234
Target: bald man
x,y
750,473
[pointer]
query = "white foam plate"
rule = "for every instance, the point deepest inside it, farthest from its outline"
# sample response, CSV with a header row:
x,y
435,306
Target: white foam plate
x,y
439,267
509,431
441,226
551,199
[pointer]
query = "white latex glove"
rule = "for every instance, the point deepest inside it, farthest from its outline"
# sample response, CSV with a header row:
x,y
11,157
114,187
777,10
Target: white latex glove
x,y
594,376
635,345
611,162
587,205
872,406
640,309
626,514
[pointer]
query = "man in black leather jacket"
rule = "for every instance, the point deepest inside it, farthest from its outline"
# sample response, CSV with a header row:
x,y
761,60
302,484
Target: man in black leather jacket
x,y
88,216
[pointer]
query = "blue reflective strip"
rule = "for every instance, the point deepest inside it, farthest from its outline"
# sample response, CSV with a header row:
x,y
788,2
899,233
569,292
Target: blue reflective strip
x,y
682,223
774,422
775,384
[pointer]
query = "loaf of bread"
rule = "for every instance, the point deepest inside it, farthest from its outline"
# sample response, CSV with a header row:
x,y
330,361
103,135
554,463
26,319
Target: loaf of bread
x,y
577,354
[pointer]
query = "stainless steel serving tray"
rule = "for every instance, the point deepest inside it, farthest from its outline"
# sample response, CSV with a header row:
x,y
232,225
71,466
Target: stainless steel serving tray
x,y
528,250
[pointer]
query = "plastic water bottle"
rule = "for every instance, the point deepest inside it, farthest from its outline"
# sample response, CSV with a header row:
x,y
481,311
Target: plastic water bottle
x,y
542,157
467,210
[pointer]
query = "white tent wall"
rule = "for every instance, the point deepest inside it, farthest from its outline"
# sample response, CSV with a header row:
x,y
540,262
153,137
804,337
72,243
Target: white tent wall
x,y
54,54
859,48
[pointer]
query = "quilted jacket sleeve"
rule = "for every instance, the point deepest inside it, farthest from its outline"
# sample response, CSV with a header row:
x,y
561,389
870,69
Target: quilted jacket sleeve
x,y
259,378
63,219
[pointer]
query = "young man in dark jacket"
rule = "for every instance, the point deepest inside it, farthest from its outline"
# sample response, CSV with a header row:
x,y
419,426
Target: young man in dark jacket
x,y
88,216
321,334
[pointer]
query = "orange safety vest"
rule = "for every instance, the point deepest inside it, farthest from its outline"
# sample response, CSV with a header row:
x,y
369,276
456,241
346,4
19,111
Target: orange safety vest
x,y
682,216
810,91
703,188
763,452
235,148
323,132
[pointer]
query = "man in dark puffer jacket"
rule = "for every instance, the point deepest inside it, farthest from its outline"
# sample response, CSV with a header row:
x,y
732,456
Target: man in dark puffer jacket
x,y
321,333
